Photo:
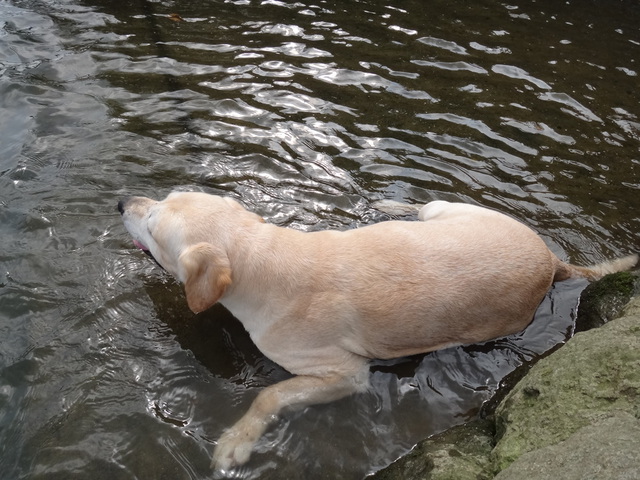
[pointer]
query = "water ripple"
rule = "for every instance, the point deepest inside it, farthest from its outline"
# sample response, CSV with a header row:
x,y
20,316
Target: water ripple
x,y
518,73
453,66
575,107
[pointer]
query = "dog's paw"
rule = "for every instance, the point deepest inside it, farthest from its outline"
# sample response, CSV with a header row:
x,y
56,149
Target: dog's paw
x,y
233,449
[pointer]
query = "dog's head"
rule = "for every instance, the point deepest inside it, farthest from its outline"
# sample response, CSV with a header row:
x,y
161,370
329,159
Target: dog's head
x,y
188,234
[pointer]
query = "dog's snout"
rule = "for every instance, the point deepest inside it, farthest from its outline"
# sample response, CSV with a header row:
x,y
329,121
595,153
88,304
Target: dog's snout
x,y
122,205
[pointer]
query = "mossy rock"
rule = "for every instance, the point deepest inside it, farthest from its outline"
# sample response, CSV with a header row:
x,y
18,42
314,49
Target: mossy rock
x,y
604,300
594,376
460,453
608,448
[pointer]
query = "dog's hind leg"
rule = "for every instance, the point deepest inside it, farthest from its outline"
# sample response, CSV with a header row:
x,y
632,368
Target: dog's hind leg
x,y
440,209
235,445
434,209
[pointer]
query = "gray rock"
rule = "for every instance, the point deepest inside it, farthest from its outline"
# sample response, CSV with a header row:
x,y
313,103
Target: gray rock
x,y
595,376
607,449
604,300
460,453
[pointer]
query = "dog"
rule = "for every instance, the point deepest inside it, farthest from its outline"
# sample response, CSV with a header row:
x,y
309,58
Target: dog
x,y
323,304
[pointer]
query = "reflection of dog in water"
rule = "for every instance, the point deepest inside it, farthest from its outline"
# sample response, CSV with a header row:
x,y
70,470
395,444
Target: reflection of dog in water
x,y
322,304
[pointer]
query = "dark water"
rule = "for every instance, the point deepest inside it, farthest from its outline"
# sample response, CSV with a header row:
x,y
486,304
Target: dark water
x,y
307,112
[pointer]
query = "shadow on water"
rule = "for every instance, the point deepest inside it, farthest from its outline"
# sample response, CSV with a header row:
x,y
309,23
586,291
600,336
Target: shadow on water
x,y
216,338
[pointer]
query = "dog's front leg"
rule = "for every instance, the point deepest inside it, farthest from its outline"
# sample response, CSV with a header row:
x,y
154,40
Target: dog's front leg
x,y
235,445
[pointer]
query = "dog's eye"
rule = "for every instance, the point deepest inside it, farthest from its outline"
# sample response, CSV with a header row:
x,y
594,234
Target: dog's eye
x,y
151,222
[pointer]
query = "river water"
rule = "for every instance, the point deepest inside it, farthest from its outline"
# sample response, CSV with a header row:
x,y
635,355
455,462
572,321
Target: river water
x,y
308,113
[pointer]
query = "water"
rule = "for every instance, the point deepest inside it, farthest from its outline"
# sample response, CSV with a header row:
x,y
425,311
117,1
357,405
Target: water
x,y
307,112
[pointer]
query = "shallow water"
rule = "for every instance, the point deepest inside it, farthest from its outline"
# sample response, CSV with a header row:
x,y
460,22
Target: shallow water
x,y
307,113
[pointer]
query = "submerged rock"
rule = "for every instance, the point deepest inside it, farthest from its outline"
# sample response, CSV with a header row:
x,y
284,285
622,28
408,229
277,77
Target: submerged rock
x,y
460,453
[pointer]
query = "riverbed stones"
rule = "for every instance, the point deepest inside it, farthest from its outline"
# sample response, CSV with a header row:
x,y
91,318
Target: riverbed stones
x,y
575,414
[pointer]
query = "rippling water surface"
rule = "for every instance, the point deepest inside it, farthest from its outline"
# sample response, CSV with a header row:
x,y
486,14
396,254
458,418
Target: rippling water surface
x,y
307,112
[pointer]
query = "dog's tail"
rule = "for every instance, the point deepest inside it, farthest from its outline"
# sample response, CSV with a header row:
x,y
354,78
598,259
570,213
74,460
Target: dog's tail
x,y
595,272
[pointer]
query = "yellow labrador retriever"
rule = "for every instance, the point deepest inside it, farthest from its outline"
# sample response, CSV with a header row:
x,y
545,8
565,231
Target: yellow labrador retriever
x,y
322,304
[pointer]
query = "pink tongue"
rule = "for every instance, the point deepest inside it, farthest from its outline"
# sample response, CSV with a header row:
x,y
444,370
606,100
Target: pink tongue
x,y
139,245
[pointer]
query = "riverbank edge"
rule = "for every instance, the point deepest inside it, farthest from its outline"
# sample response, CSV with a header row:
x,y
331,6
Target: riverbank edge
x,y
573,413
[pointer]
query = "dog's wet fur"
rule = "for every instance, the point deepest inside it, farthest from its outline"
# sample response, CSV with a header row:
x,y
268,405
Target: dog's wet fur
x,y
322,304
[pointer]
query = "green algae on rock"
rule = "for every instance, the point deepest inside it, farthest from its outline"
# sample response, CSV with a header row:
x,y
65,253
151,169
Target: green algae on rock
x,y
460,453
594,376
603,301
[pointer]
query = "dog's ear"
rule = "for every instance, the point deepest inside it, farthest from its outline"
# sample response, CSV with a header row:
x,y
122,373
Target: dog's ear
x,y
206,274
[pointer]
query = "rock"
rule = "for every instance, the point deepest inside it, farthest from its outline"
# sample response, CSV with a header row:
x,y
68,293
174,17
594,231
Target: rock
x,y
596,375
606,449
632,308
460,453
604,300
